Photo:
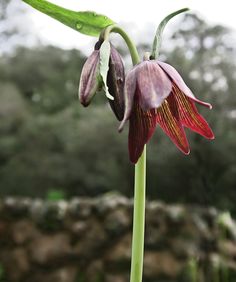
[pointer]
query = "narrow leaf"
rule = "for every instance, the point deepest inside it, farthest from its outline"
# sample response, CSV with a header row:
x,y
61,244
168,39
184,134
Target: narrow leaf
x,y
105,52
158,37
86,22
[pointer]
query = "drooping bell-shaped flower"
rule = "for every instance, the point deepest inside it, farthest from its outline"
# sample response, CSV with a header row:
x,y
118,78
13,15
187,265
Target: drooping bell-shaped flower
x,y
155,94
91,81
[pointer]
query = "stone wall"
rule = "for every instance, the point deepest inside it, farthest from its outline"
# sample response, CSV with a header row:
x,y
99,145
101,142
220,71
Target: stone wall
x,y
89,240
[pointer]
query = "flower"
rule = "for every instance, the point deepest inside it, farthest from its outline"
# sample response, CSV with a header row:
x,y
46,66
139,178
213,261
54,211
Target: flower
x,y
91,81
155,94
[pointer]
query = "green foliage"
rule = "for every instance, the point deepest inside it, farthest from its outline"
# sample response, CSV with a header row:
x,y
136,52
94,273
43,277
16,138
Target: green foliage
x,y
190,272
1,273
80,277
216,271
193,270
55,195
89,23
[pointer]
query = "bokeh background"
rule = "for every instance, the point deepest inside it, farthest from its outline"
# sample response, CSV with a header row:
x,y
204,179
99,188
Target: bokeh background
x,y
50,142
53,148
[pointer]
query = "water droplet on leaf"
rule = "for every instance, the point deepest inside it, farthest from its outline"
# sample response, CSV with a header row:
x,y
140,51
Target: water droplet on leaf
x,y
95,14
79,26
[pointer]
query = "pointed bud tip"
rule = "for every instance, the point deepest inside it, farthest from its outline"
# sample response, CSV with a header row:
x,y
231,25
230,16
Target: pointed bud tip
x,y
85,105
84,102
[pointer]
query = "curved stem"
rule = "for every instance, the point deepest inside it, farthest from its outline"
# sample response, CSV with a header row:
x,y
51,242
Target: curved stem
x,y
132,48
138,219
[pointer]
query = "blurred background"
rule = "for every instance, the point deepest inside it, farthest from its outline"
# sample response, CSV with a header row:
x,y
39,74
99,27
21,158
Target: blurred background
x,y
50,142
53,148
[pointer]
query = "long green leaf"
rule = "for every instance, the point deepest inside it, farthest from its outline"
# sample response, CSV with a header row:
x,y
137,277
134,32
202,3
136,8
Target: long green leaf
x,y
105,51
158,37
89,23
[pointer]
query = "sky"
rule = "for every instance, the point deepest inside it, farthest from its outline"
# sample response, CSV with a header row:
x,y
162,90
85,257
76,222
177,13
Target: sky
x,y
140,17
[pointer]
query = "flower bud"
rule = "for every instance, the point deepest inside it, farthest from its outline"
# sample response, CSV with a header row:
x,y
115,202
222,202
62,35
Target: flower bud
x,y
90,80
115,83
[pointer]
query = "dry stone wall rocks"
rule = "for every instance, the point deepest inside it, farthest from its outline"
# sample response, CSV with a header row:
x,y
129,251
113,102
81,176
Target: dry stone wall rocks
x,y
89,240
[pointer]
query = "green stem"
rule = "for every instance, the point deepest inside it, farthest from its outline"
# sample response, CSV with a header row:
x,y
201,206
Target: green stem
x,y
132,48
138,219
139,184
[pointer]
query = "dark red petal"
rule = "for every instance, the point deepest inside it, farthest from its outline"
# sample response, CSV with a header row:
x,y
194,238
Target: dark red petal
x,y
189,115
129,91
168,118
177,79
141,127
154,85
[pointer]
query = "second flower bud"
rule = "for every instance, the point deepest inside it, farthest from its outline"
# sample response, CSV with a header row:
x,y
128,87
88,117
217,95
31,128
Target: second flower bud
x,y
91,81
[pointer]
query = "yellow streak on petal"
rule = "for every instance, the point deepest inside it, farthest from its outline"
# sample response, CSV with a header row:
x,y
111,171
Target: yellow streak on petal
x,y
186,106
171,122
